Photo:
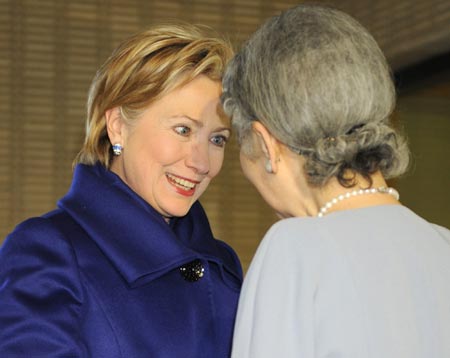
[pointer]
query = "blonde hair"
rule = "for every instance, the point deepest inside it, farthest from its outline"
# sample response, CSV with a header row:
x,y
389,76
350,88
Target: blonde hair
x,y
143,69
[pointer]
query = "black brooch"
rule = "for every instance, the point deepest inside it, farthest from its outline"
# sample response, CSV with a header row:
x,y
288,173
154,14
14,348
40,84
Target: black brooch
x,y
192,271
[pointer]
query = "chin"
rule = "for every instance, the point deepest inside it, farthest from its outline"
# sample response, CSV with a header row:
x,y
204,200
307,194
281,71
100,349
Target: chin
x,y
177,212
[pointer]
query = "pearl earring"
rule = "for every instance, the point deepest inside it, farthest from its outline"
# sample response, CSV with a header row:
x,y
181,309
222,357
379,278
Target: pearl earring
x,y
117,149
268,167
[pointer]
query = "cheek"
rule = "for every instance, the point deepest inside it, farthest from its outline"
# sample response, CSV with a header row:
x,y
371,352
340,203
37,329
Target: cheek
x,y
164,157
162,151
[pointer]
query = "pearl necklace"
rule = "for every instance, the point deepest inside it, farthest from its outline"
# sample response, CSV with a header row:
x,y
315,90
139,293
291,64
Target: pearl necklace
x,y
381,190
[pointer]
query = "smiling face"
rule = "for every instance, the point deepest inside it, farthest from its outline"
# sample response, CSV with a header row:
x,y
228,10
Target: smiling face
x,y
175,148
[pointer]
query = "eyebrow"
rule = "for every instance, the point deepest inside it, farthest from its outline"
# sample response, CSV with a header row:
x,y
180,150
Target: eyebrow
x,y
221,129
200,123
197,121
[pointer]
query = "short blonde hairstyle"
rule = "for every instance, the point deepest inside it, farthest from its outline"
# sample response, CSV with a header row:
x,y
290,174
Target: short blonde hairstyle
x,y
143,69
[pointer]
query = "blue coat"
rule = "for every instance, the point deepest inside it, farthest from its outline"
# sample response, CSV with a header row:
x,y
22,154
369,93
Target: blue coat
x,y
100,277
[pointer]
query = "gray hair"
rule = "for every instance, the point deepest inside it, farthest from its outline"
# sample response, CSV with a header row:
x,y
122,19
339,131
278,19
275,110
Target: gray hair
x,y
321,85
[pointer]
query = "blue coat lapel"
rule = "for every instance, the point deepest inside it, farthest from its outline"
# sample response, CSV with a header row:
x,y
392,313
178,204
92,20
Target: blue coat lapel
x,y
134,237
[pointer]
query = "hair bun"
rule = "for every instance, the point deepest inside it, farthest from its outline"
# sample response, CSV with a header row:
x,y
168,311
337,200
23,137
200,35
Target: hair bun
x,y
363,149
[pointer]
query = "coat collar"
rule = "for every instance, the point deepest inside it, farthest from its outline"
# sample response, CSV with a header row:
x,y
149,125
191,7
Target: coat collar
x,y
134,236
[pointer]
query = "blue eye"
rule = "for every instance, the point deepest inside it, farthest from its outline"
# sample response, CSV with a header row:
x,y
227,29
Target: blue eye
x,y
219,140
182,130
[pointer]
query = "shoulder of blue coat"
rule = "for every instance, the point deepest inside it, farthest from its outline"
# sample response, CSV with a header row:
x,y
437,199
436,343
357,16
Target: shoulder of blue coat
x,y
47,230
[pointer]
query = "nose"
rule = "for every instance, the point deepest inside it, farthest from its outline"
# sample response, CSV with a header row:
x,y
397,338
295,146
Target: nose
x,y
198,158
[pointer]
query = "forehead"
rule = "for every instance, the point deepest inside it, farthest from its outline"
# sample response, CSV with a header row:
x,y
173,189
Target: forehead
x,y
197,100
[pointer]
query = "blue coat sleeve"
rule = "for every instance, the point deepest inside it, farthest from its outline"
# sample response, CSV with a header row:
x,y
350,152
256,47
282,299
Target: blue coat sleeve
x,y
40,294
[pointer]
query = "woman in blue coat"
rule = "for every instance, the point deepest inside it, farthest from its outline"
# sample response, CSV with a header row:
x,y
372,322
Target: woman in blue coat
x,y
127,265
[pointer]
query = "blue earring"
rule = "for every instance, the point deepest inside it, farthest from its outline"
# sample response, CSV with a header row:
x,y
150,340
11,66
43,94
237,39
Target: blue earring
x,y
117,149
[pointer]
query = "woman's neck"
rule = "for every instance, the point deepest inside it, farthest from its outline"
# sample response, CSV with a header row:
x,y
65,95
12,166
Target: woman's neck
x,y
335,197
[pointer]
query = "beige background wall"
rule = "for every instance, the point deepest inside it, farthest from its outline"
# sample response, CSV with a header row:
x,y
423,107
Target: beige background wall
x,y
50,50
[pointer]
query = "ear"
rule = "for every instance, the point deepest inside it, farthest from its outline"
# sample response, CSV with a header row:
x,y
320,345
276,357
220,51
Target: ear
x,y
269,145
115,125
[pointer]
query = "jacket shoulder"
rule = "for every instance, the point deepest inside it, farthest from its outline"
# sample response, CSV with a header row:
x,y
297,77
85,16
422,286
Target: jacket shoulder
x,y
51,228
40,285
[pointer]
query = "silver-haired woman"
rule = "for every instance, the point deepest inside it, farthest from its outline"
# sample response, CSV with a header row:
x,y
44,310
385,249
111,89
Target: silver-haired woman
x,y
348,271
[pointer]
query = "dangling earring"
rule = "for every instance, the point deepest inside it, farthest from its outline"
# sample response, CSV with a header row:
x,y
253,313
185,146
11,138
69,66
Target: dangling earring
x,y
117,149
268,166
